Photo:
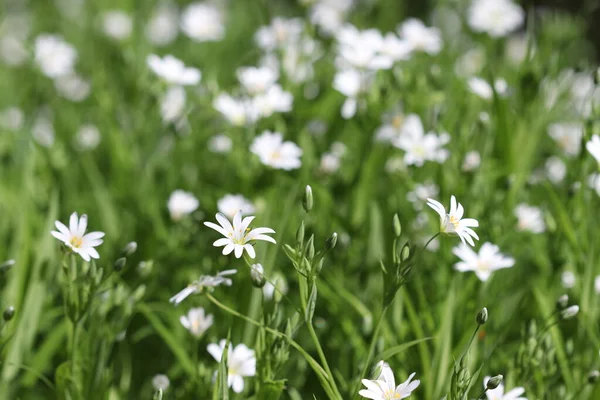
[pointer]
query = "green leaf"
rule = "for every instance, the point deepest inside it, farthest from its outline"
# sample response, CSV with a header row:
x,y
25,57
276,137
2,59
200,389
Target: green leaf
x,y
271,390
311,304
392,351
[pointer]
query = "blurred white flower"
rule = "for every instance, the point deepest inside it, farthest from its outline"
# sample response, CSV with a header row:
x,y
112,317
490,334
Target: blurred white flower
x,y
568,136
392,126
274,152
238,236
351,83
530,218
568,279
173,70
498,393
329,15
257,80
497,18
594,182
361,49
569,312
181,203
277,282
516,48
556,170
230,204
196,321
338,149
241,362
87,137
421,147
471,62
472,161
421,37
220,143
172,104
384,387
238,112
453,223
12,118
117,24
13,51
329,163
593,146
597,284
161,382
74,237
163,26
54,55
394,165
483,89
274,100
203,22
43,130
204,282
279,33
488,260
421,192
73,87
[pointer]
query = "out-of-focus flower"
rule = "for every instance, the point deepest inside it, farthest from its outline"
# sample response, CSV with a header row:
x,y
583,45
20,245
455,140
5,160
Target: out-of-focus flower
x,y
230,204
597,284
384,387
54,55
173,70
498,392
163,26
275,99
516,48
87,137
472,161
483,89
181,203
351,83
74,237
207,282
497,18
73,87
555,169
421,192
279,33
568,136
241,362
238,112
117,24
568,279
172,104
421,37
42,130
530,218
391,127
421,147
593,146
488,260
196,321
161,382
329,163
220,143
11,118
361,49
203,22
274,152
12,50
471,62
329,15
453,223
238,236
256,80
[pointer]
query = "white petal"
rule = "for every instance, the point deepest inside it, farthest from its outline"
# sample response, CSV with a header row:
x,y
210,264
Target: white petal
x,y
239,250
73,223
82,226
237,384
221,242
250,249
62,228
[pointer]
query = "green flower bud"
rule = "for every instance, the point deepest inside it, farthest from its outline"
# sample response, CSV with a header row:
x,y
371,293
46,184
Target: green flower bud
x,y
307,200
129,249
257,275
482,316
9,313
397,225
331,242
494,382
562,302
569,312
405,253
120,264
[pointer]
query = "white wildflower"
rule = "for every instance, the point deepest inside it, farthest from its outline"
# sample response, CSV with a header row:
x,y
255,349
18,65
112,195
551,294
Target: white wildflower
x,y
530,218
230,204
274,152
203,22
75,238
453,223
241,363
181,203
196,321
488,260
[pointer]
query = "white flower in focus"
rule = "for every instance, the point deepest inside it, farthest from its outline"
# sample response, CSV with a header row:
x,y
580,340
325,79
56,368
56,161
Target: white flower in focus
x,y
555,169
11,118
220,143
173,70
43,130
203,22
384,388
421,147
274,152
568,279
472,161
488,260
593,146
87,137
172,104
421,37
74,237
238,112
163,27
241,362
230,204
238,236
161,382
530,218
73,87
54,55
117,24
274,100
181,203
568,136
204,282
498,393
196,321
256,80
497,18
453,223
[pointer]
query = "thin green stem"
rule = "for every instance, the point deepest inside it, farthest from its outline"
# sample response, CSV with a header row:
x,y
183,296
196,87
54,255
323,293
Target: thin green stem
x,y
482,394
469,344
430,240
322,357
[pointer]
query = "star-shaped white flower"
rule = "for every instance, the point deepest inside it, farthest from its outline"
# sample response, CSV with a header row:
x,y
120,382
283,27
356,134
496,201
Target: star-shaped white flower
x,y
453,223
74,237
207,282
196,321
384,388
488,260
238,237
241,362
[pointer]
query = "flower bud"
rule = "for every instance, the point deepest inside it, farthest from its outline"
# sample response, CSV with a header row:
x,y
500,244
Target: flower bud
x,y
569,312
593,377
494,382
300,234
8,313
129,249
6,265
482,316
307,200
120,264
397,225
561,302
331,242
257,274
405,253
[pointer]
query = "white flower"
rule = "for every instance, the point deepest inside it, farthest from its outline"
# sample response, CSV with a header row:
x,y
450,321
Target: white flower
x,y
163,26
172,104
173,70
516,48
161,382
274,152
568,136
204,282
568,279
361,49
278,282
241,362
238,237
453,223
483,89
569,312
73,87
256,80
329,15
597,284
87,137
117,24
530,218
351,83
329,163
279,34
422,192
74,237
220,143
43,130
555,169
497,18
593,146
384,388
471,62
230,204
488,260
420,37
181,203
498,393
203,22
472,161
391,128
54,56
421,147
196,321
274,100
238,112
11,118
395,48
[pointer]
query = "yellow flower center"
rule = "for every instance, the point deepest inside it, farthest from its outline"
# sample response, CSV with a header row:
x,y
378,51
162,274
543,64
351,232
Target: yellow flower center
x,y
391,394
397,121
76,241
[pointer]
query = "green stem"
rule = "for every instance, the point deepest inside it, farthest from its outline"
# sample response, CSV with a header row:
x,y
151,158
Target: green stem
x,y
469,344
482,395
322,357
73,348
429,241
